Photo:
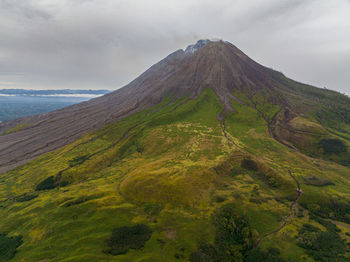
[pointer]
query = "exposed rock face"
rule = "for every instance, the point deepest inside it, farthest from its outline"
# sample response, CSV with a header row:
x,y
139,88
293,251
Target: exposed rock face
x,y
219,65
193,48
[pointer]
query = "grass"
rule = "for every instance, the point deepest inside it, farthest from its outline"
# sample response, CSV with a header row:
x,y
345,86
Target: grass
x,y
15,129
169,168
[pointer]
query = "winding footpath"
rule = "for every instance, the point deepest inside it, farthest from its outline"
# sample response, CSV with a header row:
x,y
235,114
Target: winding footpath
x,y
284,223
299,192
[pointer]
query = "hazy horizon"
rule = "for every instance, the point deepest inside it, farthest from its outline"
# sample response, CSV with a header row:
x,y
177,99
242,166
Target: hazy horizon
x,y
89,44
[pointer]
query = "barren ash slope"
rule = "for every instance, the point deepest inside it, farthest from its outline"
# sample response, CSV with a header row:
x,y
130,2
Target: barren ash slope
x,y
207,156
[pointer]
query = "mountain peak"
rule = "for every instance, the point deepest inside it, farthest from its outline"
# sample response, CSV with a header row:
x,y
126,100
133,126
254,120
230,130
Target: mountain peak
x,y
193,48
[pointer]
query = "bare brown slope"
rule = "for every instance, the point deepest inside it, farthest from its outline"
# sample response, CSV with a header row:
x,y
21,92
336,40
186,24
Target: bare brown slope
x,y
219,65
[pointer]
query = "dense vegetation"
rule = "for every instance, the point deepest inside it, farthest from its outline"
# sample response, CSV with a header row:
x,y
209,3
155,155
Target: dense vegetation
x,y
329,207
322,245
315,181
332,146
234,241
26,197
127,237
249,164
8,246
47,184
78,160
271,254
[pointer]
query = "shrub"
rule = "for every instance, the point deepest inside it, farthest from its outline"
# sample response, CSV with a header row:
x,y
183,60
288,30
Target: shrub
x,y
236,171
269,178
322,246
332,146
234,241
46,184
25,197
338,209
232,231
64,183
152,209
78,160
233,238
346,161
179,256
79,200
249,164
8,246
219,199
127,237
270,254
300,212
130,147
255,195
205,253
315,181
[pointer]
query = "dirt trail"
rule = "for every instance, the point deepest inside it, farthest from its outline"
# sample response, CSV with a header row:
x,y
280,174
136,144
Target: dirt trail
x,y
284,221
223,128
299,192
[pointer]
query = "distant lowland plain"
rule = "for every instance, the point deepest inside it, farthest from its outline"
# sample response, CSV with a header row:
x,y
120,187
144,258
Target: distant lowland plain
x,y
18,103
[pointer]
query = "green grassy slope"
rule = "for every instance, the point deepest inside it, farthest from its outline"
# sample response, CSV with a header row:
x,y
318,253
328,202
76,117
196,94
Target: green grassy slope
x,y
315,121
183,173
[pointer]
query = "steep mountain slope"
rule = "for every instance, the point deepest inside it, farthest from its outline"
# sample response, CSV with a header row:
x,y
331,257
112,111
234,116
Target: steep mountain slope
x,y
207,156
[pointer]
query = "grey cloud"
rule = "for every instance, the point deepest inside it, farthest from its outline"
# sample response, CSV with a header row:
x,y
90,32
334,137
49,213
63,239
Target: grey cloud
x,y
22,8
107,43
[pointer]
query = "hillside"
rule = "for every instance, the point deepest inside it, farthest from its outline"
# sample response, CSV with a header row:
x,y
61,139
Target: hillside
x,y
207,156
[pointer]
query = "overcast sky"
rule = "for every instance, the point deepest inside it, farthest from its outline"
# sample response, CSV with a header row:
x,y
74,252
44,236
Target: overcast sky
x,y
98,44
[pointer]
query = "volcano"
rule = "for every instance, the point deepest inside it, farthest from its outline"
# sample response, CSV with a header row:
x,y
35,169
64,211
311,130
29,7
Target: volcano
x,y
140,173
219,65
